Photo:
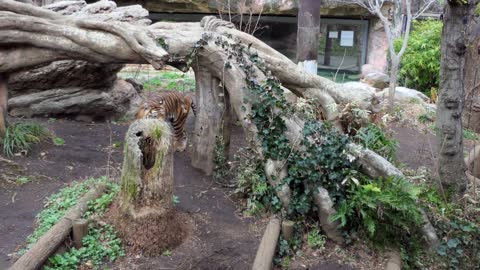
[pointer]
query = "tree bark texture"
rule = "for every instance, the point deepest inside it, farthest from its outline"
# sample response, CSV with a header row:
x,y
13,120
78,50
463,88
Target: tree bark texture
x,y
147,172
451,168
3,103
471,115
308,34
213,117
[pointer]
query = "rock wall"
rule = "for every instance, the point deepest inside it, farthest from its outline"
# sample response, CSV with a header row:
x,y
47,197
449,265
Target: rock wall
x,y
269,7
377,46
77,89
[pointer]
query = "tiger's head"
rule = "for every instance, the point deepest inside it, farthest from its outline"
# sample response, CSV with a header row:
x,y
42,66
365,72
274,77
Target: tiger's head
x,y
149,111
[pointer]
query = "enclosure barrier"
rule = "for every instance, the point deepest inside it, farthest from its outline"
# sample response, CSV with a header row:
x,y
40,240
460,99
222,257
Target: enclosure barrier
x,y
36,256
267,247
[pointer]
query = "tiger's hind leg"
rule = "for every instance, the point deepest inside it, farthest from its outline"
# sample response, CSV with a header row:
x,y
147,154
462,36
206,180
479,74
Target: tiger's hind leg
x,y
180,143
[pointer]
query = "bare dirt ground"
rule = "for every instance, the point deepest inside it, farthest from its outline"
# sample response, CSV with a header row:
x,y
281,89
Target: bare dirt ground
x,y
218,239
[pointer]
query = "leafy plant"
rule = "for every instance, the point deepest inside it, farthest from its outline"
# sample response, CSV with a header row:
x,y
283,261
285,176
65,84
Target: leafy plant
x,y
21,136
175,200
117,144
167,253
458,227
426,117
375,139
420,65
315,239
221,166
101,243
22,180
58,141
252,183
470,135
385,210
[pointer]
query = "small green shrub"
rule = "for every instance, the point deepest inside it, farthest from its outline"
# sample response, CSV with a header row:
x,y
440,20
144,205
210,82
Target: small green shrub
x,y
252,184
58,141
22,180
315,239
470,135
175,199
21,136
375,139
420,65
458,227
221,167
167,253
385,210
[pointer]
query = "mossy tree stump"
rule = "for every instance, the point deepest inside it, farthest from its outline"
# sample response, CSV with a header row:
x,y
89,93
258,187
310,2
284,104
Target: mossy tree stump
x,y
145,216
147,173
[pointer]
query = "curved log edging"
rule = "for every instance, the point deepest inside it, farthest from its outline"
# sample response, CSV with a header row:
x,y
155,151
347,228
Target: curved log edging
x,y
36,256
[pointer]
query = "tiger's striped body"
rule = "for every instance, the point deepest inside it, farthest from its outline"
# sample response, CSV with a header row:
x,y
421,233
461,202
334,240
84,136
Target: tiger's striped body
x,y
169,106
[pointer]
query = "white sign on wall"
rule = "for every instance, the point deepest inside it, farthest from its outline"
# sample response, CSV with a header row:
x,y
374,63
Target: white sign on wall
x,y
346,39
333,34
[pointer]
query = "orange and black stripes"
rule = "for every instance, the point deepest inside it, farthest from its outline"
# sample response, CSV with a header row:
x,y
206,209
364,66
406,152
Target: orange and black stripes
x,y
169,106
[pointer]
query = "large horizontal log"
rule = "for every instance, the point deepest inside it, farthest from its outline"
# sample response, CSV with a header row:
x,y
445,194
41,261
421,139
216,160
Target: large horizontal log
x,y
51,240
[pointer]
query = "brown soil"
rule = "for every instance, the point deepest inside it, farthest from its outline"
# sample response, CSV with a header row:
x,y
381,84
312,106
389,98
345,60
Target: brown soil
x,y
218,238
150,235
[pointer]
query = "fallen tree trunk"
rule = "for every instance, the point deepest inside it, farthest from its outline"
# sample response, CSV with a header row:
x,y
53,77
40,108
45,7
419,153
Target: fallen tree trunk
x,y
35,257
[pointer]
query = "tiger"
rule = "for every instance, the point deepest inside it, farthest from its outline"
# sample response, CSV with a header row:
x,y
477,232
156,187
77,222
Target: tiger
x,y
169,106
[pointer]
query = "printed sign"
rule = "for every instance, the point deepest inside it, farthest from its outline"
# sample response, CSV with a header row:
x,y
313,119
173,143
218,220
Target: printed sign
x,y
346,39
333,34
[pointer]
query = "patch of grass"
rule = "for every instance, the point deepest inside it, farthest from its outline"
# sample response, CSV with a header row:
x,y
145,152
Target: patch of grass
x,y
426,117
22,180
58,141
21,136
470,135
101,242
175,200
170,81
57,204
117,144
167,253
375,139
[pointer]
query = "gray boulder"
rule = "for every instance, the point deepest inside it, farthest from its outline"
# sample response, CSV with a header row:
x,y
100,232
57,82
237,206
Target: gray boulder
x,y
405,95
377,80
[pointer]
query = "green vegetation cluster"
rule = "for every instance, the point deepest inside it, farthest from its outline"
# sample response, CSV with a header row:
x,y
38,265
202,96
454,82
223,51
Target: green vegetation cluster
x,y
373,208
420,65
21,136
100,244
170,81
